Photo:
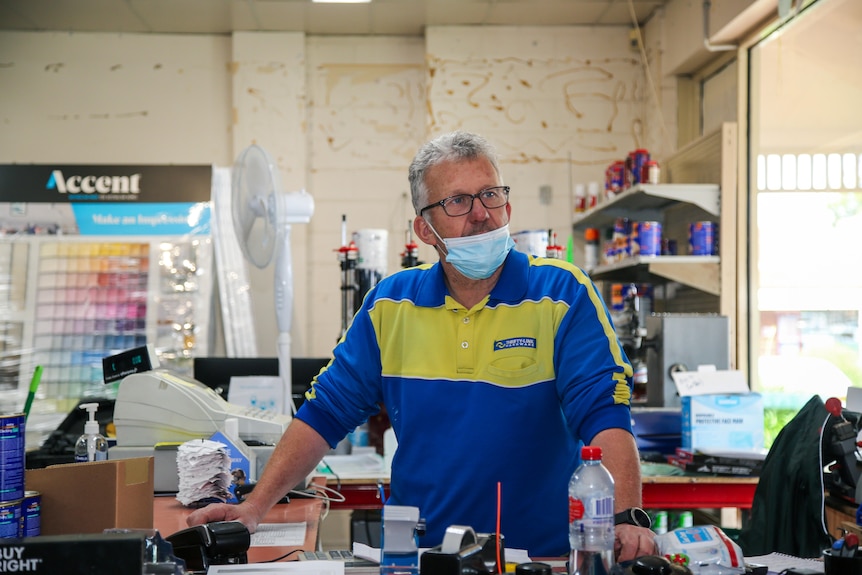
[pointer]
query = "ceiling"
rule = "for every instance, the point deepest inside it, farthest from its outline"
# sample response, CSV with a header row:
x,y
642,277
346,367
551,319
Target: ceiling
x,y
386,17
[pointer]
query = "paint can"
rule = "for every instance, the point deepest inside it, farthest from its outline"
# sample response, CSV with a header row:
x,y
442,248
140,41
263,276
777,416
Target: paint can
x,y
615,178
638,158
702,238
31,514
12,452
622,237
10,519
372,245
532,242
649,238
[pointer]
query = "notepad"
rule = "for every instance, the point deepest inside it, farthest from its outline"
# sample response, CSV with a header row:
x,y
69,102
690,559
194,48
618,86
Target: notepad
x,y
778,562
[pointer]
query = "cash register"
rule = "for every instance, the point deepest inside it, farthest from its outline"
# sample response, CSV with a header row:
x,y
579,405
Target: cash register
x,y
159,406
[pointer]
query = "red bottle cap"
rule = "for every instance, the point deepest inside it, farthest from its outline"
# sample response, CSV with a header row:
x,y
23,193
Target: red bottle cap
x,y
591,453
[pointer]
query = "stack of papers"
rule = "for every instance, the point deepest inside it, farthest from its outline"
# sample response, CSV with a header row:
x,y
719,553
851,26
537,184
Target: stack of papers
x,y
203,467
354,466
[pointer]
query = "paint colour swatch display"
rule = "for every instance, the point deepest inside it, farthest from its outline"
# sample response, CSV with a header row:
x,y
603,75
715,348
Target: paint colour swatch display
x,y
91,301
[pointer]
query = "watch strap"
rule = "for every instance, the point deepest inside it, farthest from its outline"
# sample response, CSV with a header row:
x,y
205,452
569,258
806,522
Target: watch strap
x,y
633,516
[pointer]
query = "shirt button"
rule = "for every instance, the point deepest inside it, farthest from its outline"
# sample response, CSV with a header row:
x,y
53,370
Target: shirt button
x,y
466,320
465,345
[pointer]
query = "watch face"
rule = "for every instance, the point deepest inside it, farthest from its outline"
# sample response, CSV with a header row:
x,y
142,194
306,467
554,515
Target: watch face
x,y
640,517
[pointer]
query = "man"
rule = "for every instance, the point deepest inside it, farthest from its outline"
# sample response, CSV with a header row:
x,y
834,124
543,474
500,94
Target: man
x,y
493,366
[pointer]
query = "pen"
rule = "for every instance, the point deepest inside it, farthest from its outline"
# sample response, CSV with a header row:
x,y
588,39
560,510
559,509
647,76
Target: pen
x,y
34,384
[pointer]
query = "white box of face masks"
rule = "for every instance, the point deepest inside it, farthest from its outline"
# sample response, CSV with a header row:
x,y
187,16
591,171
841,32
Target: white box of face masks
x,y
719,411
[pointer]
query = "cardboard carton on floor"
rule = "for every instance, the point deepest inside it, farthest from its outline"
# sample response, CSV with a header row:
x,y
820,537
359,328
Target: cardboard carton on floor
x,y
92,497
719,411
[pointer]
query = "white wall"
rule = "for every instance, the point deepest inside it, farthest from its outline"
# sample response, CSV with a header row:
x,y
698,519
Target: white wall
x,y
107,98
343,116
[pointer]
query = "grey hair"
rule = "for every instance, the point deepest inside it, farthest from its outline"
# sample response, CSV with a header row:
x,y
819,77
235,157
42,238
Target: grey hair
x,y
454,146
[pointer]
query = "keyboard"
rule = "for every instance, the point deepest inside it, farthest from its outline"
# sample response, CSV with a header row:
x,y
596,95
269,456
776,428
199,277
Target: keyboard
x,y
336,555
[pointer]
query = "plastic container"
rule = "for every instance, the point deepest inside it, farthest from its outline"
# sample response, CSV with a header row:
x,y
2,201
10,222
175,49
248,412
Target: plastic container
x,y
591,516
580,199
650,173
399,545
92,445
591,248
835,564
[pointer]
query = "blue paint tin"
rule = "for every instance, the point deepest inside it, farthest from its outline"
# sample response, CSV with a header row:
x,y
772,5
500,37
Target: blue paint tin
x,y
10,519
12,447
702,238
649,238
31,514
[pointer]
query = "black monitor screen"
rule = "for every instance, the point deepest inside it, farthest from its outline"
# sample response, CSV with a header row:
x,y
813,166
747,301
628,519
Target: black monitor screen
x,y
216,372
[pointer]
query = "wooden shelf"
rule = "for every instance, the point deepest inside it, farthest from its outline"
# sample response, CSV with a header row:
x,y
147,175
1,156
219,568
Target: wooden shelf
x,y
701,272
647,201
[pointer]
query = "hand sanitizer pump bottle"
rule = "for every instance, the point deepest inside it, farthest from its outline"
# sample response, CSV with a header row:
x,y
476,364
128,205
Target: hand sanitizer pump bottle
x,y
92,445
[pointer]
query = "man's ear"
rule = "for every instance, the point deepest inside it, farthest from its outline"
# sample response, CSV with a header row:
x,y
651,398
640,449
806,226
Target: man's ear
x,y
423,231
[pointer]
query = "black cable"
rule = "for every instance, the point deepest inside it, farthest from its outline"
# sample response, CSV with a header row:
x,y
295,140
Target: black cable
x,y
286,555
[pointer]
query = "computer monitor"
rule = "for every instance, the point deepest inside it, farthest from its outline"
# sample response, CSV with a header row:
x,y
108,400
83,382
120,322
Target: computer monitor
x,y
216,372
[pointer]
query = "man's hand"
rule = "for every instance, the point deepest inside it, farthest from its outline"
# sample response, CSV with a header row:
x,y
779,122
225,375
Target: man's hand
x,y
631,541
245,513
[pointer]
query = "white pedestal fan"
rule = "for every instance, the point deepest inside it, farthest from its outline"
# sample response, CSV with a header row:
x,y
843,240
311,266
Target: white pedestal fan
x,y
262,216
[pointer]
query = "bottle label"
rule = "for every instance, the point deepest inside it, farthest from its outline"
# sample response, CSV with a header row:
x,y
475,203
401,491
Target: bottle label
x,y
576,509
97,456
598,508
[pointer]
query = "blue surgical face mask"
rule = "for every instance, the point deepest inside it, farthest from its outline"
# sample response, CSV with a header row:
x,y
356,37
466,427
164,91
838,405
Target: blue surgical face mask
x,y
479,256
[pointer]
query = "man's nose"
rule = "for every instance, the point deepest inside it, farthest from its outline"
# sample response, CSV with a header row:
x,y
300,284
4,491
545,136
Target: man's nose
x,y
478,211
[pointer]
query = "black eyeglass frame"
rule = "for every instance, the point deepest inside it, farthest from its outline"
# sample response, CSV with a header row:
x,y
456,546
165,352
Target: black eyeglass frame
x,y
473,198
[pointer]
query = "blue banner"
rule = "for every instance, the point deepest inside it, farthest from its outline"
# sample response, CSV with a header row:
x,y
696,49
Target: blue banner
x,y
136,219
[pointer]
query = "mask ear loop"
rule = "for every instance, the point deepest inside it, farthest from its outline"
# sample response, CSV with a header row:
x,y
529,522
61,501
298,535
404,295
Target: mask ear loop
x,y
440,247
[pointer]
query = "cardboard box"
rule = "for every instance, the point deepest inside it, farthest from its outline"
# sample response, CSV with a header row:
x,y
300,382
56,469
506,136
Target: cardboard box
x,y
92,497
719,411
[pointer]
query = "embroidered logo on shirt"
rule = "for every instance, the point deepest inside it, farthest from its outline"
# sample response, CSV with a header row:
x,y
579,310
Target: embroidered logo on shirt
x,y
515,342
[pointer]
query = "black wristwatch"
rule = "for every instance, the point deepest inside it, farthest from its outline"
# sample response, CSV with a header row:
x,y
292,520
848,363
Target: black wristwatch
x,y
633,516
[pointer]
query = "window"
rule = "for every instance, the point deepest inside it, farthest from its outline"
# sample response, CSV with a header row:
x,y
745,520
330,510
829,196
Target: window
x,y
805,182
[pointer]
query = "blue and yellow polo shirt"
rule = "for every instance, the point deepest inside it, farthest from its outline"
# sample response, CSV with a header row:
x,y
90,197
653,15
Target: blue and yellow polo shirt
x,y
503,392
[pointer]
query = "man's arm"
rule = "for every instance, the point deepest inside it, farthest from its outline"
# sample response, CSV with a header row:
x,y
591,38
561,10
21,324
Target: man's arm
x,y
297,454
620,456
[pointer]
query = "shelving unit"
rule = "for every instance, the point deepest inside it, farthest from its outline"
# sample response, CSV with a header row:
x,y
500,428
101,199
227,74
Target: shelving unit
x,y
699,272
649,202
701,184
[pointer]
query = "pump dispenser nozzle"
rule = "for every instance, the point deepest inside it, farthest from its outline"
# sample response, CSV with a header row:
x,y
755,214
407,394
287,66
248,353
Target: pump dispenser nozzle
x,y
92,426
91,446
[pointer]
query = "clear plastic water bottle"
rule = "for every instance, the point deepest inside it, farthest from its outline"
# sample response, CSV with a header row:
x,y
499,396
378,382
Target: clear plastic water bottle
x,y
591,516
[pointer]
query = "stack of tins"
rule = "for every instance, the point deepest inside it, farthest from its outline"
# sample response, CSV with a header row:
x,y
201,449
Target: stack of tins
x,y
20,510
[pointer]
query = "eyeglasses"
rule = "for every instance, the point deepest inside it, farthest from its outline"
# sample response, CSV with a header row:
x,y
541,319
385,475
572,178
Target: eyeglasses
x,y
462,204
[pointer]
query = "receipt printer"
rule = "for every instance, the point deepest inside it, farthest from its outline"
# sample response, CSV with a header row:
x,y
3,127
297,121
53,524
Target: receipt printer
x,y
463,552
217,543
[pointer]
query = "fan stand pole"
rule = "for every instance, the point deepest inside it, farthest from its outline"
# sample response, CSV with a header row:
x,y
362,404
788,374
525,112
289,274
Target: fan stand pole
x,y
284,372
284,318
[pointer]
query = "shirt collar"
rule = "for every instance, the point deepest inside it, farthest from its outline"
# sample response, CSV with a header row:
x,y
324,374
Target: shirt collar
x,y
511,286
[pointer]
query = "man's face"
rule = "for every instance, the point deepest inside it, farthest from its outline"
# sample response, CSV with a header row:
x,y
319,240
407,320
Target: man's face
x,y
453,178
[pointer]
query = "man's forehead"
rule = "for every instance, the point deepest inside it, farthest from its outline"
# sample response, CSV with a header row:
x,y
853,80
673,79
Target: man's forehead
x,y
454,177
